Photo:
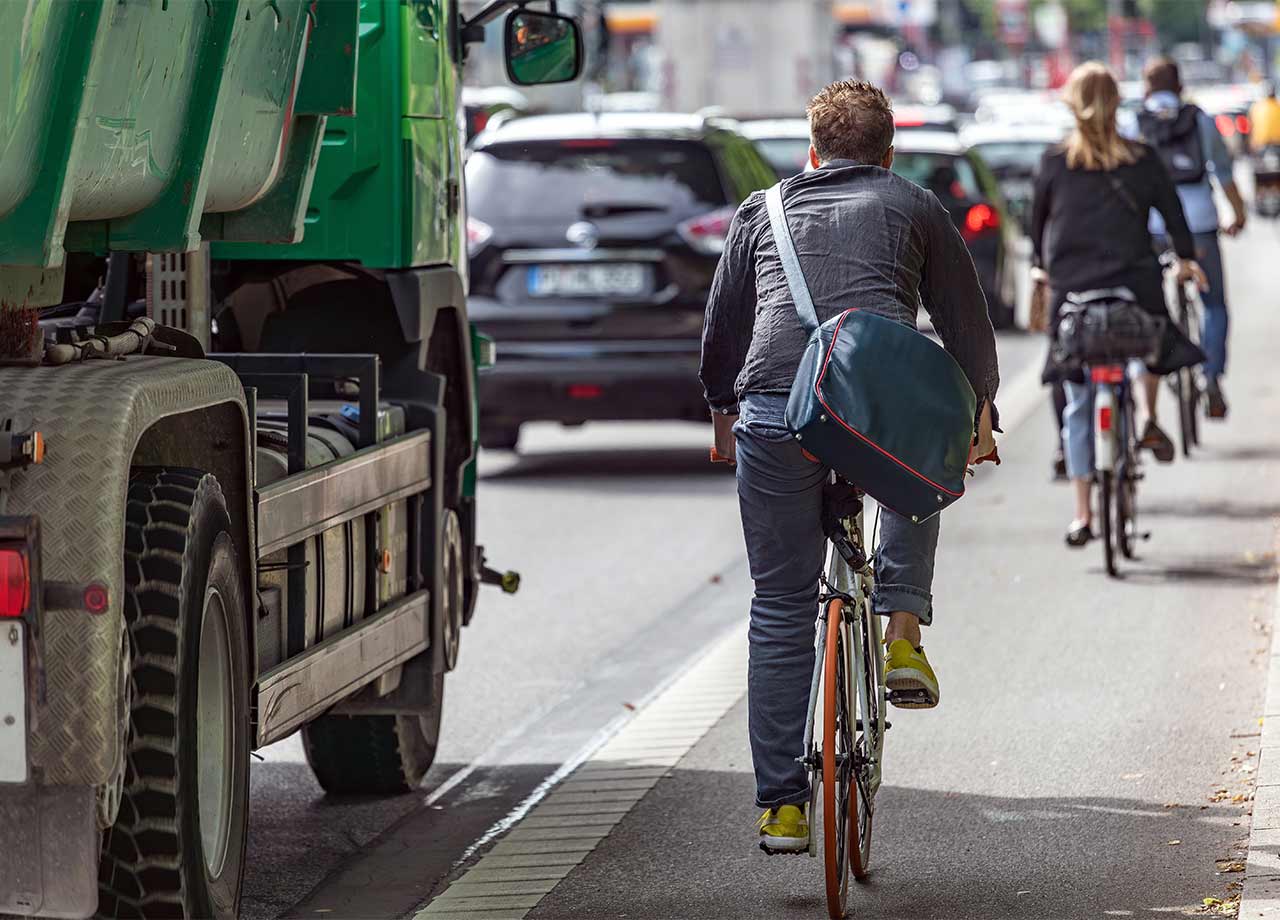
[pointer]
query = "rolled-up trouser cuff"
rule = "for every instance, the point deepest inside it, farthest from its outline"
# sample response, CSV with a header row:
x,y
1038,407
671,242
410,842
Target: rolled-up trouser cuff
x,y
887,599
796,799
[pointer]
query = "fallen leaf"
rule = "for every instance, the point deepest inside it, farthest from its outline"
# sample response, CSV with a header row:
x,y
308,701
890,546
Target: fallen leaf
x,y
1232,865
1237,799
716,579
1171,805
1174,843
1211,902
631,706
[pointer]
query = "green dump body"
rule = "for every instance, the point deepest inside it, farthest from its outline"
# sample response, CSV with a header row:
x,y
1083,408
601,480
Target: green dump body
x,y
153,125
123,123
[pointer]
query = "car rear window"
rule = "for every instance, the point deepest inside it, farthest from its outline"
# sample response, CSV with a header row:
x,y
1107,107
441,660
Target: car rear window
x,y
1017,157
940,173
567,180
787,155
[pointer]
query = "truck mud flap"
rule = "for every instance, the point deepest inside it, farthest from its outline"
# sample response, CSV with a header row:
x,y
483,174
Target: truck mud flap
x,y
49,837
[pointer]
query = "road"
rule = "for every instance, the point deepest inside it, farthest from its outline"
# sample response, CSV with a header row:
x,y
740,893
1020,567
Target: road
x,y
1075,768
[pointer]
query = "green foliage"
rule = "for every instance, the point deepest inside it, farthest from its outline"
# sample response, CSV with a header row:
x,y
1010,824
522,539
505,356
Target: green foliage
x,y
1175,20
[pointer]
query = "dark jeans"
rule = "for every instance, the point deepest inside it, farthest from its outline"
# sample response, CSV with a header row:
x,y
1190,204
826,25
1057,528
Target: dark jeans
x,y
1213,329
780,495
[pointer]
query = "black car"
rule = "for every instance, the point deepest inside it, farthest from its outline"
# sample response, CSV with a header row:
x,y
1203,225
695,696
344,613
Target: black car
x,y
593,242
964,184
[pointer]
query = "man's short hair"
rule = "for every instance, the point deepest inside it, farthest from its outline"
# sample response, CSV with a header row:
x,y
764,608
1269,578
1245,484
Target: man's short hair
x,y
1161,76
851,120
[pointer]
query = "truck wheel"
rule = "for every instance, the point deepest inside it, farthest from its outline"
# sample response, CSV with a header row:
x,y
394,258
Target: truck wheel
x,y
375,754
178,844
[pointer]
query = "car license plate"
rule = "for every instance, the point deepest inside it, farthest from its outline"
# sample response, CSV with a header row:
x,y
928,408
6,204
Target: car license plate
x,y
13,702
606,279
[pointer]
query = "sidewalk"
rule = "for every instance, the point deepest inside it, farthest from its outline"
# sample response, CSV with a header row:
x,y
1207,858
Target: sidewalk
x,y
1095,750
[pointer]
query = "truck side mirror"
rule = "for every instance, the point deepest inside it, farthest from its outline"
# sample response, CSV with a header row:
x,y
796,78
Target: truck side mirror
x,y
542,48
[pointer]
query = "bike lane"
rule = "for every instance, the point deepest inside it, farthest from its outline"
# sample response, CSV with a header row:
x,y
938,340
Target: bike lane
x,y
1093,754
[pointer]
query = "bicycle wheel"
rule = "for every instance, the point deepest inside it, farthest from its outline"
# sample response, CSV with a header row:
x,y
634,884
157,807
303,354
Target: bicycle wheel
x,y
1126,509
1180,391
839,795
869,743
1104,513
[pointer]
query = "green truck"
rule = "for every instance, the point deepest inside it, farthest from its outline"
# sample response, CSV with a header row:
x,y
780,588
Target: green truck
x,y
237,419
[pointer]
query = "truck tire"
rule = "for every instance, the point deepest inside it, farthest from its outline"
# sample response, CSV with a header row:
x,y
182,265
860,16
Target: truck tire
x,y
177,847
374,754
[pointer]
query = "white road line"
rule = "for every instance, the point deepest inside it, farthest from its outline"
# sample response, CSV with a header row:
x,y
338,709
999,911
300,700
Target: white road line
x,y
598,791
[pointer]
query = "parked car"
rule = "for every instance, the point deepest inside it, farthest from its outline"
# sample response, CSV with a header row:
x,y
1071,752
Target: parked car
x,y
943,164
1013,152
593,242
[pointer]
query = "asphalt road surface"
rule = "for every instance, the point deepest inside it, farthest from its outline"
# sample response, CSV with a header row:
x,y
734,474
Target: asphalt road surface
x,y
1092,737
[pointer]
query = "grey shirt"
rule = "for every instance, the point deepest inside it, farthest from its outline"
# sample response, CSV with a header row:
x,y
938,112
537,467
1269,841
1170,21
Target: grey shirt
x,y
866,238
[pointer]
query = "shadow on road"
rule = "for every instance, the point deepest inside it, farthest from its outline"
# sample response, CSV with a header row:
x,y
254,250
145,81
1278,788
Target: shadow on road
x,y
310,854
1249,569
936,856
1217,508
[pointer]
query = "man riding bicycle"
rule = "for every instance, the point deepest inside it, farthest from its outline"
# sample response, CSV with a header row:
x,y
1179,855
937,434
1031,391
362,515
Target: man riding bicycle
x,y
865,238
1194,153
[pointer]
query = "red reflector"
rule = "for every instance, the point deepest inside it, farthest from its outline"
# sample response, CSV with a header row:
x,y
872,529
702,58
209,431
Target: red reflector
x,y
1225,125
585,391
1242,124
1104,418
96,599
909,123
15,582
1108,373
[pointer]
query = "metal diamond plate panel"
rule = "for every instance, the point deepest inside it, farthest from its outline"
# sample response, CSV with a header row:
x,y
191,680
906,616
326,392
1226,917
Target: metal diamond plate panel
x,y
92,415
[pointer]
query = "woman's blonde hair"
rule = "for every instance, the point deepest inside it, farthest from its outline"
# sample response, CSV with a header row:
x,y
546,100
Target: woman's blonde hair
x,y
1094,97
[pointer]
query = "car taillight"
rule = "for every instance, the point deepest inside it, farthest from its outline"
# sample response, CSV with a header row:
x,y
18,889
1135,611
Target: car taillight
x,y
1226,127
1242,124
15,582
708,232
1104,418
478,235
981,217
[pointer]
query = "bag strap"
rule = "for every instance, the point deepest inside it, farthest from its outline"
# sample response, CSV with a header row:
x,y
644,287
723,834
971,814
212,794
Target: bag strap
x,y
790,261
1124,194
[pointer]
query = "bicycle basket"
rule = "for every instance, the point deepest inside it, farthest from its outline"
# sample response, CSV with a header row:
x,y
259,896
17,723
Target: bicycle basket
x,y
1107,327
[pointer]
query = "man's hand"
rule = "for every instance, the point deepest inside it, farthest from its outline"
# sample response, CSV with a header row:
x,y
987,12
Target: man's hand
x,y
1235,227
985,444
1238,209
1190,270
725,446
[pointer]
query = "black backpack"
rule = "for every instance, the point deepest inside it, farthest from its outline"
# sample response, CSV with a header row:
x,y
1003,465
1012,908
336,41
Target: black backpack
x,y
1177,141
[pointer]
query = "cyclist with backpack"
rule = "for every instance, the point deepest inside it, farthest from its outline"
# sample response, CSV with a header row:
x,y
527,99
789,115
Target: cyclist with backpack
x,y
1194,153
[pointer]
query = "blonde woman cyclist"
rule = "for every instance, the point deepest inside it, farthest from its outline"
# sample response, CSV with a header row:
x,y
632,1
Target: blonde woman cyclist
x,y
1089,228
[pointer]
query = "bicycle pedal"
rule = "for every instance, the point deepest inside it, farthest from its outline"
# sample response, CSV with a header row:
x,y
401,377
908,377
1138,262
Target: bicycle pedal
x,y
910,698
768,851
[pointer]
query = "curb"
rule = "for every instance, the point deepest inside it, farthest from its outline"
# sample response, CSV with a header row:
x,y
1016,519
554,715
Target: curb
x,y
1260,898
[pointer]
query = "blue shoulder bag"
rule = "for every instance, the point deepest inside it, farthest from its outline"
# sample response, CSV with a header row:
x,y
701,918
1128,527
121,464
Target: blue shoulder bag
x,y
883,405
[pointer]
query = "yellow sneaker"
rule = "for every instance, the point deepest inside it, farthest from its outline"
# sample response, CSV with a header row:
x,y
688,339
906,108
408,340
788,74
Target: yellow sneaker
x,y
911,681
784,830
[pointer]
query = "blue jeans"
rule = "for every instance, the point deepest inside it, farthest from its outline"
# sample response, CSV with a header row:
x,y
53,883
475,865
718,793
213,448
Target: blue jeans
x,y
1077,423
780,496
1213,330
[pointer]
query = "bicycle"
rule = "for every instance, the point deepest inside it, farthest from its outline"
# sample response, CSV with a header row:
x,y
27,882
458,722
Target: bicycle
x,y
1117,462
847,700
1185,383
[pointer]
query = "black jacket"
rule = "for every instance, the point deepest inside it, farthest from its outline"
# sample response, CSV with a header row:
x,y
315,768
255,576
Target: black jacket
x,y
1090,228
866,238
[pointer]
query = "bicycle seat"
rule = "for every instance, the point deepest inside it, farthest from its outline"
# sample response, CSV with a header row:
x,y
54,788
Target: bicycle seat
x,y
1101,295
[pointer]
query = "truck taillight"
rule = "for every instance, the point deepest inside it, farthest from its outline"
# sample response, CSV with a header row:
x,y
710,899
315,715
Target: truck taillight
x,y
15,582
